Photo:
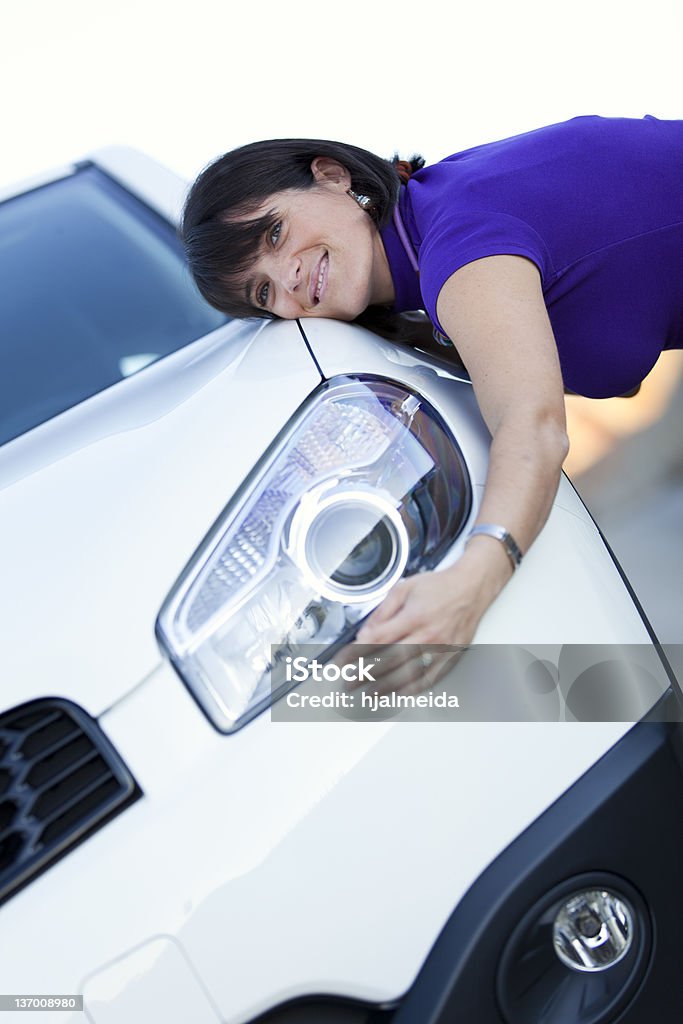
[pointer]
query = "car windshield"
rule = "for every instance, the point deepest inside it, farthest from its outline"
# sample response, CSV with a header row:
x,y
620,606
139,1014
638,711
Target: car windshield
x,y
94,287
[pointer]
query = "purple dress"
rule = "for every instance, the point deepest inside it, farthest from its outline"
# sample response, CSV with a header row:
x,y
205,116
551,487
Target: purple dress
x,y
596,203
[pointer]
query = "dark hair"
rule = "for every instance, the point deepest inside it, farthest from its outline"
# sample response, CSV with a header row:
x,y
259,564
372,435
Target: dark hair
x,y
221,245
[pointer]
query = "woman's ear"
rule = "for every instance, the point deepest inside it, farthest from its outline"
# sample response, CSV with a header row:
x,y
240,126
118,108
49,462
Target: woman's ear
x,y
327,171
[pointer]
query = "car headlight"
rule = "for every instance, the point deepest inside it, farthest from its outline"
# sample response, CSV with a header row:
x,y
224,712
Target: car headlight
x,y
366,485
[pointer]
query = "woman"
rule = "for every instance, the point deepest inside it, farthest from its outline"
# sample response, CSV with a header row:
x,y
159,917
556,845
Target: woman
x,y
552,259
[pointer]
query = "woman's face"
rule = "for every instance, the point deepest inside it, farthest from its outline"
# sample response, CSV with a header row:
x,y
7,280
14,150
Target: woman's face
x,y
324,256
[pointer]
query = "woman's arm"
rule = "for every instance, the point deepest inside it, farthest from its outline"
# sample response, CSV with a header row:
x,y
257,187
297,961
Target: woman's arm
x,y
493,310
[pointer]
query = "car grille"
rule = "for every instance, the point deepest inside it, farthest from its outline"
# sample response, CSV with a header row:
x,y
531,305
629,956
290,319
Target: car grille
x,y
60,779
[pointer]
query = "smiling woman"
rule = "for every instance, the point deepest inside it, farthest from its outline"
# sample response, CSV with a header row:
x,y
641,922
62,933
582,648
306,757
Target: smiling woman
x,y
552,260
321,254
290,228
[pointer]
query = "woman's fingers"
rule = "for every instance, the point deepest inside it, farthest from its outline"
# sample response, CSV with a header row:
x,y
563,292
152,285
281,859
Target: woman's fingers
x,y
401,616
418,633
391,604
398,628
419,668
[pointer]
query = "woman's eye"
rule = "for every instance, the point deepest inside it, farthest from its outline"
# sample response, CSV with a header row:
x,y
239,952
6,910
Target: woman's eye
x,y
262,295
275,233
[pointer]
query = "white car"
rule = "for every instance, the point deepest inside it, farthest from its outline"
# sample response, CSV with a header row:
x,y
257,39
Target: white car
x,y
187,504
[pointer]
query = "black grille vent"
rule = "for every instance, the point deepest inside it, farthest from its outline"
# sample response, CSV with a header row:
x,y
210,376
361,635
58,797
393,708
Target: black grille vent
x,y
60,779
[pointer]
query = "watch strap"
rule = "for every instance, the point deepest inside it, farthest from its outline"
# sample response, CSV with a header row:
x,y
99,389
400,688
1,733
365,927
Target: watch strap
x,y
504,536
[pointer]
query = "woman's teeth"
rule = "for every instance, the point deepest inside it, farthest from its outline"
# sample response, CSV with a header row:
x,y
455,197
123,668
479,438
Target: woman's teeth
x,y
321,274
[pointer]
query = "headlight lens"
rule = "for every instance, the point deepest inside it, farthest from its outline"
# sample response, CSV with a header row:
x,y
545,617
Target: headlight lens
x,y
366,485
351,544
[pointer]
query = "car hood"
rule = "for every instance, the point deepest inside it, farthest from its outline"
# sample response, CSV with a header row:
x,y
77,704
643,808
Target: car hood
x,y
102,506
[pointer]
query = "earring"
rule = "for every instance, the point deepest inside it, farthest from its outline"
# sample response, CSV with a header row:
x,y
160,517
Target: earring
x,y
365,202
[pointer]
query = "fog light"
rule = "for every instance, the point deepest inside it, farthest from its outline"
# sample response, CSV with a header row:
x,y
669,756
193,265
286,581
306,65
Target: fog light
x,y
578,955
593,930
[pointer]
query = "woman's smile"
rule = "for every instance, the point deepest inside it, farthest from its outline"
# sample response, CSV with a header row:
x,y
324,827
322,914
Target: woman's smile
x,y
320,279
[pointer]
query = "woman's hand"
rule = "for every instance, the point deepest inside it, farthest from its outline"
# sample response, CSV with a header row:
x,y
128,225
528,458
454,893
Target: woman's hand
x,y
418,632
441,607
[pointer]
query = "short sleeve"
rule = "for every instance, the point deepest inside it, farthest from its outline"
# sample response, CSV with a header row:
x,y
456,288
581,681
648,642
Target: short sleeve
x,y
451,243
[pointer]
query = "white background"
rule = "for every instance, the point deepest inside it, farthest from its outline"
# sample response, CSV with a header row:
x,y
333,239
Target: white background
x,y
187,81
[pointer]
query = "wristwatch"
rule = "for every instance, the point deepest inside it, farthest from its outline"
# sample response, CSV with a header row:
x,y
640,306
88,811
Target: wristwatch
x,y
501,534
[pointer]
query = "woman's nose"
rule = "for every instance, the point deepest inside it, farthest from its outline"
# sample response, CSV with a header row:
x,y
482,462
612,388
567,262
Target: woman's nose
x,y
290,272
